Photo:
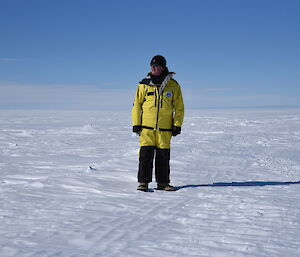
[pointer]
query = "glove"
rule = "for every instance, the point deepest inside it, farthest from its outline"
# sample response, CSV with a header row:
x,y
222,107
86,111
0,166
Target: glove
x,y
176,131
137,129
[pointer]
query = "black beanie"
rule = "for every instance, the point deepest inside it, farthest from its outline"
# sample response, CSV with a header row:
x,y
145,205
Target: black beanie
x,y
159,60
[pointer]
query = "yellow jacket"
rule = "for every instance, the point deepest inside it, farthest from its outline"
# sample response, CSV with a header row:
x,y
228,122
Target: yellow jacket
x,y
158,111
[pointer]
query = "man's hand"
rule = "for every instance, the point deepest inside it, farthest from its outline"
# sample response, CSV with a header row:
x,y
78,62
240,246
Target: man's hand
x,y
137,129
176,131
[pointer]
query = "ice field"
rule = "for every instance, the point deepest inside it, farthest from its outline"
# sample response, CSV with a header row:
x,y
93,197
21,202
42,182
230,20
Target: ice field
x,y
68,186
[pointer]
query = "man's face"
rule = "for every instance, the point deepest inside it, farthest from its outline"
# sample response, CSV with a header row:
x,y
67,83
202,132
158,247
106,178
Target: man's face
x,y
156,70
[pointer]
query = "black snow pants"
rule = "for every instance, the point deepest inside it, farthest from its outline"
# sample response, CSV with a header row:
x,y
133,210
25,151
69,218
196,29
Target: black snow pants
x,y
162,164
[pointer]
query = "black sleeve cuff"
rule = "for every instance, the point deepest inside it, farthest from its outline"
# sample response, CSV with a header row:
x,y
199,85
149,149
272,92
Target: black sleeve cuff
x,y
137,129
176,130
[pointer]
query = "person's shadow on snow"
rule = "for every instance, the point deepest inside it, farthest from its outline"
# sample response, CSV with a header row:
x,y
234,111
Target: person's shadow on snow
x,y
241,184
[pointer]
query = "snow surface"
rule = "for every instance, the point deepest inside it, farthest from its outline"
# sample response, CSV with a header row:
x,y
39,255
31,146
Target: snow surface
x,y
68,186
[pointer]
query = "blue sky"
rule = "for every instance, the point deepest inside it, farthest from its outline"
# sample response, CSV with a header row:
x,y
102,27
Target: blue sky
x,y
87,54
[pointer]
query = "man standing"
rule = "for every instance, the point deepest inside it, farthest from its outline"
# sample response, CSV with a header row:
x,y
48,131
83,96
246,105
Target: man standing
x,y
157,115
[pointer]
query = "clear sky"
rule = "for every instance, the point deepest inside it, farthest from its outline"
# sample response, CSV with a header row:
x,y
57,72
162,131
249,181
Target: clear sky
x,y
88,54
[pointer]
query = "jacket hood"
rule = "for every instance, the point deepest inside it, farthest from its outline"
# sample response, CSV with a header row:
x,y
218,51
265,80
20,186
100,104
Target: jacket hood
x,y
155,80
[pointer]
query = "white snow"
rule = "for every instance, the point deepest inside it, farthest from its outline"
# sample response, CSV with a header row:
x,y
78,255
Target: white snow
x,y
68,186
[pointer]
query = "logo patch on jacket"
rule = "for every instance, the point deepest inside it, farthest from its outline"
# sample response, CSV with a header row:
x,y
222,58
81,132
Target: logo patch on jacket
x,y
169,94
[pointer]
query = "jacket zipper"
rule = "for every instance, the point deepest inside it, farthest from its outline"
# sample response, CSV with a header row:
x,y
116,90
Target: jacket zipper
x,y
156,92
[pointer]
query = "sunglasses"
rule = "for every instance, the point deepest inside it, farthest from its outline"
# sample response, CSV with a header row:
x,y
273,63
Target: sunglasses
x,y
155,65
